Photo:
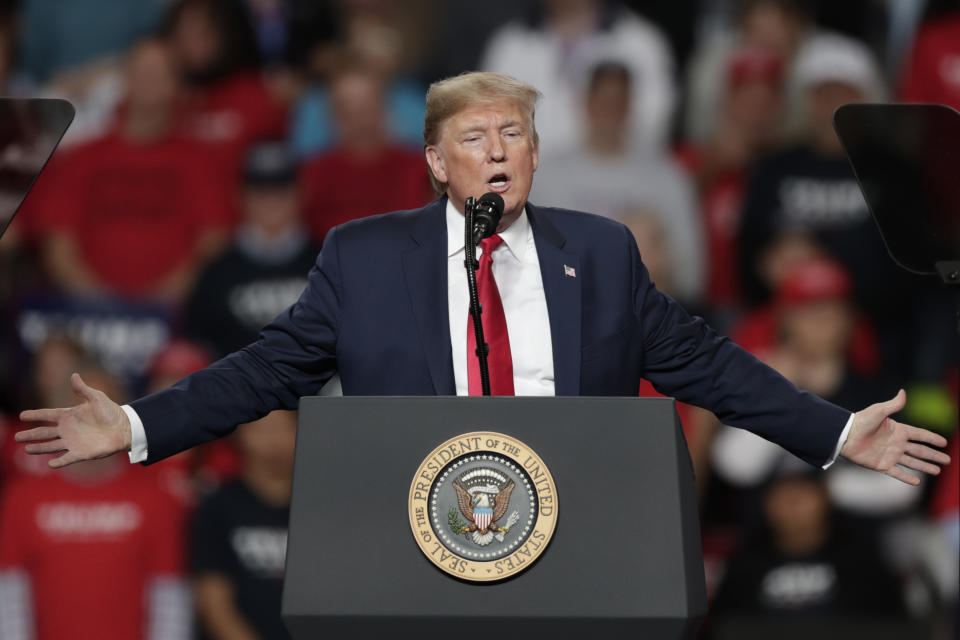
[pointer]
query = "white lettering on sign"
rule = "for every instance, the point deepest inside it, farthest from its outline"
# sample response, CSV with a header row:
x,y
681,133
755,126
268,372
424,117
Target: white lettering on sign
x,y
87,520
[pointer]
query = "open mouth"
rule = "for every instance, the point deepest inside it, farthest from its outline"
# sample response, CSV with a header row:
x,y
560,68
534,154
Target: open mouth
x,y
499,182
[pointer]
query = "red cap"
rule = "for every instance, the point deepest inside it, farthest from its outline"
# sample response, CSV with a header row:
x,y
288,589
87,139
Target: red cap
x,y
812,280
178,359
754,63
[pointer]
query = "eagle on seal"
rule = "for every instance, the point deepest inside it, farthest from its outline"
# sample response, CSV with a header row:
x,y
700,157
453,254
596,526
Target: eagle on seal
x,y
483,509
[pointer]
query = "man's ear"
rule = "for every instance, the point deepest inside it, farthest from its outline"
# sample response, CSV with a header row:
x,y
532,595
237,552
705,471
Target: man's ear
x,y
536,157
435,161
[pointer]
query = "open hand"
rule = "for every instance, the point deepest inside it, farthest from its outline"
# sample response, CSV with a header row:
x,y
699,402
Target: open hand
x,y
879,442
95,428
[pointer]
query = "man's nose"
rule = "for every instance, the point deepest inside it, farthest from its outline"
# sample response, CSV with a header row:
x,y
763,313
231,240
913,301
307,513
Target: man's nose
x,y
496,150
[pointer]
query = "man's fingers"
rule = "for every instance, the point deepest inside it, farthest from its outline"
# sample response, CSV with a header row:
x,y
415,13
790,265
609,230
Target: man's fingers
x,y
922,435
919,465
903,476
81,388
38,433
41,415
927,453
51,446
66,459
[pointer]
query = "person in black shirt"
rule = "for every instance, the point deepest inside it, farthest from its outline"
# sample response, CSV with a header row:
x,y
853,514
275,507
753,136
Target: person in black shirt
x,y
800,565
239,538
810,187
265,269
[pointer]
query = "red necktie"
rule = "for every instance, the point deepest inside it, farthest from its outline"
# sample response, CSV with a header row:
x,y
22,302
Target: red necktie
x,y
494,330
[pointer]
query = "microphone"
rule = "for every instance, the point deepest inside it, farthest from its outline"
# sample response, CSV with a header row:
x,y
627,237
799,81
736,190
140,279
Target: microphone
x,y
487,213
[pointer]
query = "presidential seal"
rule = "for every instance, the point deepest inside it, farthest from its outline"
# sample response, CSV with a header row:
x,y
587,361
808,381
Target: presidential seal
x,y
482,506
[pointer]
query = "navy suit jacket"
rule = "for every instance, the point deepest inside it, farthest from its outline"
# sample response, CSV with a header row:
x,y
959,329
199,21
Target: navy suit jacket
x,y
375,311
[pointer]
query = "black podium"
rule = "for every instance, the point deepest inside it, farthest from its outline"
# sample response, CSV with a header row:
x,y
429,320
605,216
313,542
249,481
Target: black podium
x,y
624,560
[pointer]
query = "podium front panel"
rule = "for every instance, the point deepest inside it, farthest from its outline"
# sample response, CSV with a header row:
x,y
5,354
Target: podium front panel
x,y
625,556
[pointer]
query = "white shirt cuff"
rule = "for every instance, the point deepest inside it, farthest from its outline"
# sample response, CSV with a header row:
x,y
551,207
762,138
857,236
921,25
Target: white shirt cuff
x,y
138,436
836,452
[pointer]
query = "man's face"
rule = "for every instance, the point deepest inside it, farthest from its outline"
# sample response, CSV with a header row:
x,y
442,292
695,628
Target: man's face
x,y
486,148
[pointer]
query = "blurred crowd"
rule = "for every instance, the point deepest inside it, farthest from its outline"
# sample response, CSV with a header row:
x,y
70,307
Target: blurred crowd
x,y
217,141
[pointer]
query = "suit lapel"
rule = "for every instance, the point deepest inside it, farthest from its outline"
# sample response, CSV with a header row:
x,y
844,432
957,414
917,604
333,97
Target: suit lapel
x,y
561,286
425,271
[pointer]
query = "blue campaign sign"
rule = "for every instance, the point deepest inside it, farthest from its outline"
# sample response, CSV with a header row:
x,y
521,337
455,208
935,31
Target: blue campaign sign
x,y
122,334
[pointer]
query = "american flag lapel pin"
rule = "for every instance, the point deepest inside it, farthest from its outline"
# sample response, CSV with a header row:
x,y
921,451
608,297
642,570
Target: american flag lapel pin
x,y
569,271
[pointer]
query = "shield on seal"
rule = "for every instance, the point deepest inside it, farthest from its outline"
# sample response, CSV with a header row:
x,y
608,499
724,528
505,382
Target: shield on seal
x,y
482,517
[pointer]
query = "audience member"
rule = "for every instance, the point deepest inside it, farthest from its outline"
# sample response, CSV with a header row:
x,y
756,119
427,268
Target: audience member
x,y
191,474
270,20
265,269
777,27
810,187
746,127
946,514
49,385
366,173
557,47
814,330
609,175
932,69
239,537
93,551
228,103
52,43
137,211
13,80
374,36
176,137
802,565
83,65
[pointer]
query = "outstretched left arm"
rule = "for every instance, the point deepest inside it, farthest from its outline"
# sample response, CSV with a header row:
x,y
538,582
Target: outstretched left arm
x,y
879,442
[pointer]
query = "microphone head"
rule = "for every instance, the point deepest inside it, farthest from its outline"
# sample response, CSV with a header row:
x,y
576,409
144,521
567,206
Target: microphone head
x,y
493,202
487,213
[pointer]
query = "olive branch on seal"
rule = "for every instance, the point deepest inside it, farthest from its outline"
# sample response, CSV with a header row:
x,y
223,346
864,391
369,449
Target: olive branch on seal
x,y
457,525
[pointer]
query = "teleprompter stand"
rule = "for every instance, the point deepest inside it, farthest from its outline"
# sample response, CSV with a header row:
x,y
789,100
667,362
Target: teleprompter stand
x,y
625,558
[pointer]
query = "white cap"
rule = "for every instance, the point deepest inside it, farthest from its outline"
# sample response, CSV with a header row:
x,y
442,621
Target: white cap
x,y
831,57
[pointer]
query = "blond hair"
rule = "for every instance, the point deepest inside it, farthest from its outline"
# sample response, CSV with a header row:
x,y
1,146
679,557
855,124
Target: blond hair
x,y
450,96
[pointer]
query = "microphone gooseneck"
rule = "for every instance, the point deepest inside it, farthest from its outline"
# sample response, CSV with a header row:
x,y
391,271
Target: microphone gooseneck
x,y
491,218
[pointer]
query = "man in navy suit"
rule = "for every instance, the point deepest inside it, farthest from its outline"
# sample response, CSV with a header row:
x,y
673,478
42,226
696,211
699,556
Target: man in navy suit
x,y
386,310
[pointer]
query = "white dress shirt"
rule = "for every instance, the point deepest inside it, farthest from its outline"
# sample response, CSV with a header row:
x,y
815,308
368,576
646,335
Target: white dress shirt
x,y
516,269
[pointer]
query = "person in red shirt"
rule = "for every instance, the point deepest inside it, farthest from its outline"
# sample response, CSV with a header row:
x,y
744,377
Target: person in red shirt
x,y
228,103
200,470
932,70
92,553
136,212
746,127
96,552
364,174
